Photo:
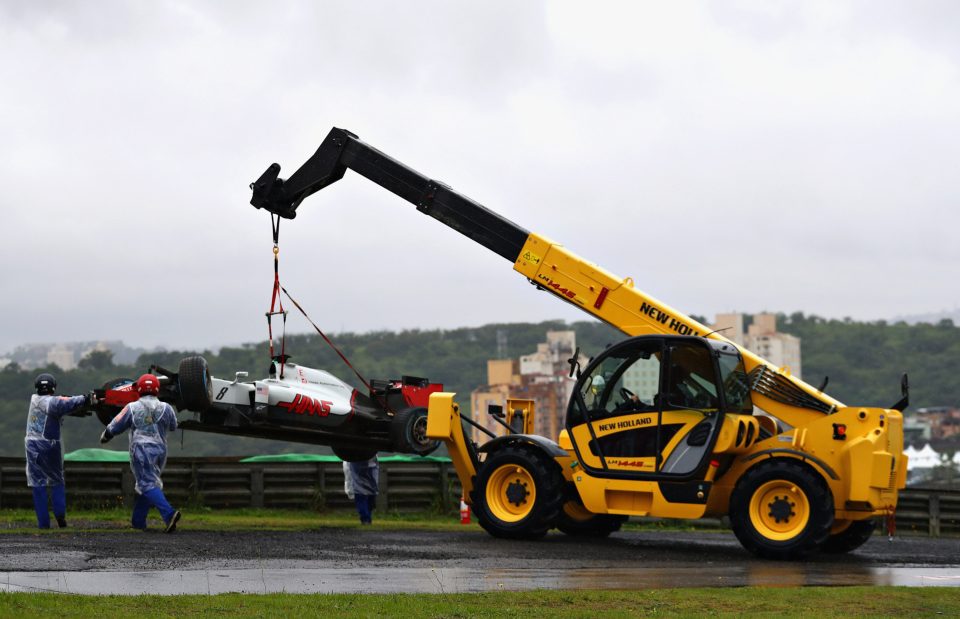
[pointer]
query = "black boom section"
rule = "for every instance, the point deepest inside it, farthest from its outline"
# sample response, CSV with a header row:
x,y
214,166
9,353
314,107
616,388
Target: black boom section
x,y
342,150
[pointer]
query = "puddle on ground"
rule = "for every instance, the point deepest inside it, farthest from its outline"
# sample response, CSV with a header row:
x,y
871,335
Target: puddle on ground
x,y
461,580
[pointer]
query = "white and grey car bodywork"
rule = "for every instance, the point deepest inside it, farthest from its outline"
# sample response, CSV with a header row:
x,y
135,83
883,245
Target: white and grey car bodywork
x,y
293,403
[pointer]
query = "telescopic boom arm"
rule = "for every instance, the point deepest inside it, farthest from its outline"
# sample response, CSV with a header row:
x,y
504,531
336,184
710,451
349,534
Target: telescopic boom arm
x,y
342,149
547,264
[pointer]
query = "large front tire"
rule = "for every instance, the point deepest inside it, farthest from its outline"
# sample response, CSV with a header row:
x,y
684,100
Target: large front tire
x,y
781,509
519,493
847,536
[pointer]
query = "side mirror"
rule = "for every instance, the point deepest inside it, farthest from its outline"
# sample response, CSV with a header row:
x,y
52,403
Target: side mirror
x,y
574,362
904,401
495,410
240,375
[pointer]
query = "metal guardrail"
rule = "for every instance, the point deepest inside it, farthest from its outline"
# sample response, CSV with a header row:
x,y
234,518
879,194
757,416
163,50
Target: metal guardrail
x,y
222,482
404,487
929,511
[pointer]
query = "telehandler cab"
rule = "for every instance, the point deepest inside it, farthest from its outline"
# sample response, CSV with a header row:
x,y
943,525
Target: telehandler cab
x,y
674,422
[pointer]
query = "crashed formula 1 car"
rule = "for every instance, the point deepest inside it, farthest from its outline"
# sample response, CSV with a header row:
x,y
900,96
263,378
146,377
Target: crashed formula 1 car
x,y
294,403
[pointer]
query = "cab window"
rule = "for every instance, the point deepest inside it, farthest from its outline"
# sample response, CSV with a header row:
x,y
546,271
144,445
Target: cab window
x,y
623,383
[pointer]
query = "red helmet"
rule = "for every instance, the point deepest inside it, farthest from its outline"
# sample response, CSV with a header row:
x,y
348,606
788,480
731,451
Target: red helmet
x,y
148,384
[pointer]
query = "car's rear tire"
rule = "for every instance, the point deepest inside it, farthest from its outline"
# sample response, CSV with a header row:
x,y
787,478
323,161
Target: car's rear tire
x,y
354,454
196,387
408,432
106,412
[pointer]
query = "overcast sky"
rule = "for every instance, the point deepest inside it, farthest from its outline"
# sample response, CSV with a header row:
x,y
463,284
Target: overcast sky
x,y
749,156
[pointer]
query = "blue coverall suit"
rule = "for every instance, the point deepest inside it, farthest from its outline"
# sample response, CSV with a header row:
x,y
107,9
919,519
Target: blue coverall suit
x,y
149,420
45,453
365,482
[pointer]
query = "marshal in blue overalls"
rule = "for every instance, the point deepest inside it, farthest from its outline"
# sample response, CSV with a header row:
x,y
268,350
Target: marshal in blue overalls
x,y
44,448
148,420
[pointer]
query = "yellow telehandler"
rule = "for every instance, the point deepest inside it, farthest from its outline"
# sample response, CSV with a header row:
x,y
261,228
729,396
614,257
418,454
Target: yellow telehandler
x,y
713,430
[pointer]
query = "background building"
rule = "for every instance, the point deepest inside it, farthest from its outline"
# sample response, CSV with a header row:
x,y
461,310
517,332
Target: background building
x,y
542,376
762,338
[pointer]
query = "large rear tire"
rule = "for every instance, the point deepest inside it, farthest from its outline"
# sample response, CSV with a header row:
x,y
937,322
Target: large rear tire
x,y
781,509
576,521
518,494
196,387
408,432
847,536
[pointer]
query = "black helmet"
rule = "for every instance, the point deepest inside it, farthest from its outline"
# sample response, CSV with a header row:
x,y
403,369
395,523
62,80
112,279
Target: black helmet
x,y
45,384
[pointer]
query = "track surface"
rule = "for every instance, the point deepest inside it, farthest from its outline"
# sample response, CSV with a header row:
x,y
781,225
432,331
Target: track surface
x,y
359,548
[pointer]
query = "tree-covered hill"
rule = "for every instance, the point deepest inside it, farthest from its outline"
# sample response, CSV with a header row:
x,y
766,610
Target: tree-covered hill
x,y
863,360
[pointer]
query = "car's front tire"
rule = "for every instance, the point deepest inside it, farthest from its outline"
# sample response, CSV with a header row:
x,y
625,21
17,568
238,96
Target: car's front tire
x,y
195,384
354,454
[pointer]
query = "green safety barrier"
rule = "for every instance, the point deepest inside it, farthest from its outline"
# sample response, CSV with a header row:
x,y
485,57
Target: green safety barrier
x,y
323,458
109,455
97,455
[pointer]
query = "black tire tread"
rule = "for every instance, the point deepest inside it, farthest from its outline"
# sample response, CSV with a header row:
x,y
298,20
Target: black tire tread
x,y
851,538
354,454
599,525
196,390
400,429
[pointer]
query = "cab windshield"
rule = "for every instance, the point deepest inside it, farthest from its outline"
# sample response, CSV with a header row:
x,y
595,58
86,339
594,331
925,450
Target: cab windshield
x,y
736,386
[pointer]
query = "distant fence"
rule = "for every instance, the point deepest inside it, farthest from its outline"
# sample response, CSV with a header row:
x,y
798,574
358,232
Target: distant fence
x,y
404,486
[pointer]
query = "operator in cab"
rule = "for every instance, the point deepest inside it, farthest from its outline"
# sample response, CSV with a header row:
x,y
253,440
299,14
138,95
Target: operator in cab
x,y
148,420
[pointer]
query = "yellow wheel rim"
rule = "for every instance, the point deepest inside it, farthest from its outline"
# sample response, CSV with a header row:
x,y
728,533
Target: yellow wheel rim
x,y
576,511
511,493
779,510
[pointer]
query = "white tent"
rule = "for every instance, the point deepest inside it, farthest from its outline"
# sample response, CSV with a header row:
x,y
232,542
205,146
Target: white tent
x,y
925,458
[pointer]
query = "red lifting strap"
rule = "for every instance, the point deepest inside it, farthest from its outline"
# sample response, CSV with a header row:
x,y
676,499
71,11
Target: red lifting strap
x,y
277,302
383,402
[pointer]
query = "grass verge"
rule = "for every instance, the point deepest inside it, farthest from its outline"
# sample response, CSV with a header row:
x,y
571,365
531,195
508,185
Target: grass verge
x,y
205,519
769,602
247,519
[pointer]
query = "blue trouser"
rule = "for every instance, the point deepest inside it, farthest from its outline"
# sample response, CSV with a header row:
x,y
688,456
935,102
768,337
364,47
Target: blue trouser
x,y
365,504
59,495
150,498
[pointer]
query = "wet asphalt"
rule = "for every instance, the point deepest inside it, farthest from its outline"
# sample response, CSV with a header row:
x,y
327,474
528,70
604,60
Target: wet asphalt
x,y
471,548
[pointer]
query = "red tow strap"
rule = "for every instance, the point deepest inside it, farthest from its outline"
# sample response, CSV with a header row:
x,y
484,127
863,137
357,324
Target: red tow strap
x,y
383,402
277,302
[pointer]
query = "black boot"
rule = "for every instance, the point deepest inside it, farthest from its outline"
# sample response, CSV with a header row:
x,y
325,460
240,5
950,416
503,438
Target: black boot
x,y
62,521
